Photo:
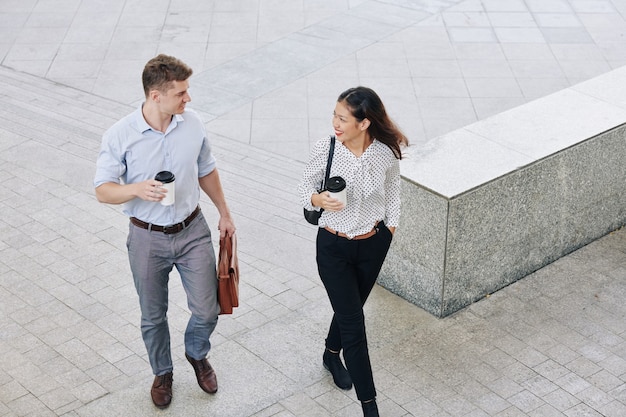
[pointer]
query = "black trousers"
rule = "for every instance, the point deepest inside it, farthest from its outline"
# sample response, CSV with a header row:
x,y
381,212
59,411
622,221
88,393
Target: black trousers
x,y
348,269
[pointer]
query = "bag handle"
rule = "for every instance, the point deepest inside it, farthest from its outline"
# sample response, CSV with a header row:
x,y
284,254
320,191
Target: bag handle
x,y
225,256
329,162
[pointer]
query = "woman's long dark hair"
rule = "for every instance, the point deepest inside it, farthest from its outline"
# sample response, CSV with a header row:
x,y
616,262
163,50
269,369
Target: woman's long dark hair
x,y
364,103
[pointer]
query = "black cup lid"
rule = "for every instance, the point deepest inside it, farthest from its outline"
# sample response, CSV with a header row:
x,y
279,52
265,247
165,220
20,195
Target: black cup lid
x,y
164,176
335,184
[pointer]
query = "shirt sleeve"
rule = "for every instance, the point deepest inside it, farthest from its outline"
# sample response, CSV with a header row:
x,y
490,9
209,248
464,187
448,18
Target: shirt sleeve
x,y
111,163
392,194
314,172
206,159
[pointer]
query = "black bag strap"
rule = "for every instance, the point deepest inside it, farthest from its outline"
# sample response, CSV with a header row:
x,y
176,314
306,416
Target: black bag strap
x,y
329,163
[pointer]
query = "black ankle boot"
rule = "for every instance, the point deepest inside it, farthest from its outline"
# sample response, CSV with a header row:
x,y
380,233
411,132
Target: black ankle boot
x,y
370,409
340,374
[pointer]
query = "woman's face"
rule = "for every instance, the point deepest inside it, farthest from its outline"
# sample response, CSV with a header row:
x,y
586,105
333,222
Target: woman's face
x,y
346,126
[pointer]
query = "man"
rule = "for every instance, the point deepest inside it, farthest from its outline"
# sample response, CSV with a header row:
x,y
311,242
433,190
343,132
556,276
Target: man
x,y
164,136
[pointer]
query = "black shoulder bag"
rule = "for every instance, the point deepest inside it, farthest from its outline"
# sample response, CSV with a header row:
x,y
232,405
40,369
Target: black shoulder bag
x,y
313,216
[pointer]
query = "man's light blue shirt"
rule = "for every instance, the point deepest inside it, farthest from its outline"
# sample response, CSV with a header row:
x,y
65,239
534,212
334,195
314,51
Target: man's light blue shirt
x,y
133,152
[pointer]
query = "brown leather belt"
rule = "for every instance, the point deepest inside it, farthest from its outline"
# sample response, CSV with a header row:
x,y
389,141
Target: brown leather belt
x,y
168,230
357,237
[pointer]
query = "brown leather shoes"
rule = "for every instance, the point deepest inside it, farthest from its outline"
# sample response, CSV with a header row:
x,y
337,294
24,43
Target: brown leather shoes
x,y
204,373
161,391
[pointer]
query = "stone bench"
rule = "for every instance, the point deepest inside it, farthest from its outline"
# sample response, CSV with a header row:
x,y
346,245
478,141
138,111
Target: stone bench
x,y
488,204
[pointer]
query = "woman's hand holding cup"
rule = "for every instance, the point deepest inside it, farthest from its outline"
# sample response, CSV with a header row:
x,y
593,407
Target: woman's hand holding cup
x,y
330,203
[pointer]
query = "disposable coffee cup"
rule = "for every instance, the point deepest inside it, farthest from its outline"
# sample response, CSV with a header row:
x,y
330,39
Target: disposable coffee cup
x,y
336,186
167,178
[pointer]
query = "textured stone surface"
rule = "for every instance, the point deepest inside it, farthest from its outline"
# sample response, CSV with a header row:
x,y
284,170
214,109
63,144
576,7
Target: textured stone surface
x,y
470,229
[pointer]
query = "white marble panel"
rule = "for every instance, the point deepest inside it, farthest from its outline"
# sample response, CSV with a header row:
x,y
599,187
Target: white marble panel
x,y
459,161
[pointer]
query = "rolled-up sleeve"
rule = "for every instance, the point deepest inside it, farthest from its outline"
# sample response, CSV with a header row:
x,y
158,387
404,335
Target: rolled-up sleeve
x,y
111,163
206,160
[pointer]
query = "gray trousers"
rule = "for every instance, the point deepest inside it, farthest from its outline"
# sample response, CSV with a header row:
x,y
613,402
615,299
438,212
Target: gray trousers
x,y
152,256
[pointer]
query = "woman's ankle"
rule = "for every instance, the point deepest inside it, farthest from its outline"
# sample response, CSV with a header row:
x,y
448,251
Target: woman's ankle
x,y
370,408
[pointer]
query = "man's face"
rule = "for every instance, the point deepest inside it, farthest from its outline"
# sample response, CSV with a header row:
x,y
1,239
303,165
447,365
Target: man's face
x,y
173,101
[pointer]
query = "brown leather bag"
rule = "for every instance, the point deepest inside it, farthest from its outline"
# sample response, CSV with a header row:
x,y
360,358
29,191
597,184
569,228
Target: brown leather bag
x,y
228,275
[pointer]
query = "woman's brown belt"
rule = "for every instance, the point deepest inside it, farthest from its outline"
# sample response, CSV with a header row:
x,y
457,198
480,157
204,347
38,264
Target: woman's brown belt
x,y
357,237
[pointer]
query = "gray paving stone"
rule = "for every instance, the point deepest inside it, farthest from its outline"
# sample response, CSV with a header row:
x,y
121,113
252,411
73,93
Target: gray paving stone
x,y
551,344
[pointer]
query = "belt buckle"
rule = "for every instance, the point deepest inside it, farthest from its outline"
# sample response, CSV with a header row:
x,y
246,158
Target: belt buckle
x,y
170,230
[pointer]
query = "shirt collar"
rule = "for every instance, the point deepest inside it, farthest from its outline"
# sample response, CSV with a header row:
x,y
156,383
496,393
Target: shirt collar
x,y
143,126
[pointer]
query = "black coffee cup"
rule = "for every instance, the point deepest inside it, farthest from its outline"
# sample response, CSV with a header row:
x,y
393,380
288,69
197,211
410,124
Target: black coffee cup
x,y
336,186
167,178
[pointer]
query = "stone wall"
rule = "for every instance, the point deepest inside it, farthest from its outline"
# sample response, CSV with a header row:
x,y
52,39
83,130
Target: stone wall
x,y
490,203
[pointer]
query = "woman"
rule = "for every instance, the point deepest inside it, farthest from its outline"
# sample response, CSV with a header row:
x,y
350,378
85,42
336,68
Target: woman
x,y
353,238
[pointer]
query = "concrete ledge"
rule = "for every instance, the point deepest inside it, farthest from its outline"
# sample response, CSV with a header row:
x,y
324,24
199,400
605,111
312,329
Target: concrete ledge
x,y
490,203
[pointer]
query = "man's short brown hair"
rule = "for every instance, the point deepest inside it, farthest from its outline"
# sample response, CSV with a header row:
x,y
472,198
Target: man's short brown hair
x,y
161,70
